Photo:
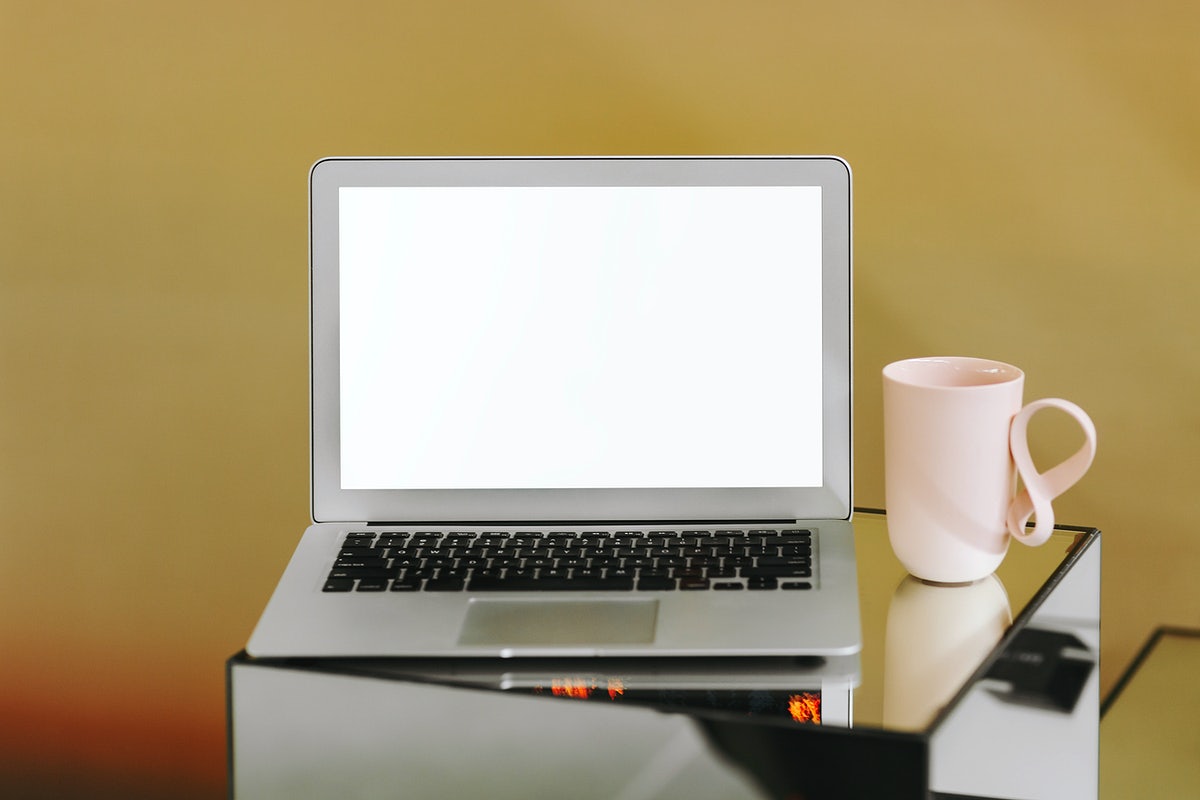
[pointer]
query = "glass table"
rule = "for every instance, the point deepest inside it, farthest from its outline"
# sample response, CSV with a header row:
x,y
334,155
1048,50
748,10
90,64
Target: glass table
x,y
987,690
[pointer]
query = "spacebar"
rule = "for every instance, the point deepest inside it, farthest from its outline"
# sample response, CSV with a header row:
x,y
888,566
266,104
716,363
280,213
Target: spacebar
x,y
487,584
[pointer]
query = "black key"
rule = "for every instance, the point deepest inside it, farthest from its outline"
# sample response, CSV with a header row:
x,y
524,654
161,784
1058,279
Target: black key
x,y
521,574
653,584
762,583
445,584
693,584
790,540
779,571
361,562
406,585
363,572
519,584
372,584
801,585
610,584
727,586
338,585
784,561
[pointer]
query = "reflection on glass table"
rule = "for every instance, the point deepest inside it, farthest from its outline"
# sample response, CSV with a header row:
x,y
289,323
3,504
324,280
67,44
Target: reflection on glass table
x,y
987,690
936,637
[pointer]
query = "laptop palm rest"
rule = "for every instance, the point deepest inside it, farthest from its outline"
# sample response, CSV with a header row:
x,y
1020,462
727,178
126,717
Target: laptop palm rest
x,y
559,622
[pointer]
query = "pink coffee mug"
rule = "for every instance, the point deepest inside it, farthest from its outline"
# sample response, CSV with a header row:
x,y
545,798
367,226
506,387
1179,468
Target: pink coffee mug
x,y
954,444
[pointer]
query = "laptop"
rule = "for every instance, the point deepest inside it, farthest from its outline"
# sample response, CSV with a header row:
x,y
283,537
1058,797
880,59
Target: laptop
x,y
576,407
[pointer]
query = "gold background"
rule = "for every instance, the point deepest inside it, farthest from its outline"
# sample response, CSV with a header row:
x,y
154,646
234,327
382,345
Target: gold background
x,y
1027,188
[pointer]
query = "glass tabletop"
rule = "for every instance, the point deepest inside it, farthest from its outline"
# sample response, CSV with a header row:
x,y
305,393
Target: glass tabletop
x,y
954,684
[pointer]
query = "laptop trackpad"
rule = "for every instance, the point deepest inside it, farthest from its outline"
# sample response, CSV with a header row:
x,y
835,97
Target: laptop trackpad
x,y
559,622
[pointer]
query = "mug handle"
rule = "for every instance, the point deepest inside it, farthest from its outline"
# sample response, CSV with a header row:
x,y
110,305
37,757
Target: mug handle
x,y
1040,488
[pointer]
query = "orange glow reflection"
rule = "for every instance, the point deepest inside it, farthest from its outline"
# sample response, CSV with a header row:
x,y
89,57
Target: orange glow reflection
x,y
569,688
805,707
582,689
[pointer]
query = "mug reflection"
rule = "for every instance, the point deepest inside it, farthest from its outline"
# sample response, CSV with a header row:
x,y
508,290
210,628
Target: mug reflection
x,y
937,635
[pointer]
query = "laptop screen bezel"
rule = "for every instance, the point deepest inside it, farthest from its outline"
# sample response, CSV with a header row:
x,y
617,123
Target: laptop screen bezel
x,y
332,503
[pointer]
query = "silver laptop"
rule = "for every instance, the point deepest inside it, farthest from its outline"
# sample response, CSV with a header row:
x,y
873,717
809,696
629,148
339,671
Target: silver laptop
x,y
576,406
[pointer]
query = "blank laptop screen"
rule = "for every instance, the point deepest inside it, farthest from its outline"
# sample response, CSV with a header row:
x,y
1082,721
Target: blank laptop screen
x,y
576,336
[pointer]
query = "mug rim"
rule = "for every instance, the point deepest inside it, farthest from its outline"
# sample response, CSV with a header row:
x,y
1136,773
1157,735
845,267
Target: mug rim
x,y
952,372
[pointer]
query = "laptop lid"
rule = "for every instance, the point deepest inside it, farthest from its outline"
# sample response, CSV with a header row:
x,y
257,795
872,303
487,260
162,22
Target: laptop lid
x,y
580,339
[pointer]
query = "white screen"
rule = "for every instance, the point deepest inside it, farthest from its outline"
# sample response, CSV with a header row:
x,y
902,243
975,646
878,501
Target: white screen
x,y
574,337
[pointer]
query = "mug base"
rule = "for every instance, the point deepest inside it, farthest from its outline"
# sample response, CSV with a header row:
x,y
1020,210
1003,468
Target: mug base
x,y
950,584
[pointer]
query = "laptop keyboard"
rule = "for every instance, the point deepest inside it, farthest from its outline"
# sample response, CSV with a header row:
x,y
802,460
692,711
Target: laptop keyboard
x,y
499,561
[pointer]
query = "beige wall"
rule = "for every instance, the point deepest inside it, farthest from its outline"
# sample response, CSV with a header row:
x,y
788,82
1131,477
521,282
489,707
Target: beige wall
x,y
1027,188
